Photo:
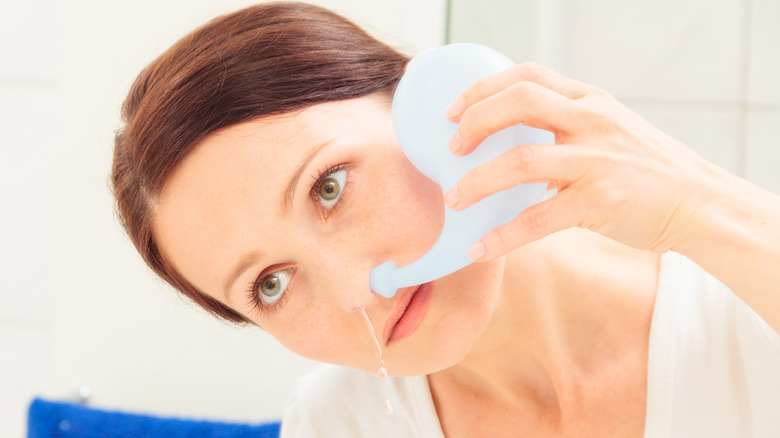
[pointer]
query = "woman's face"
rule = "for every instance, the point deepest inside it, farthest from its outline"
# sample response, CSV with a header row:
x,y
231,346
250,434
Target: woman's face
x,y
282,219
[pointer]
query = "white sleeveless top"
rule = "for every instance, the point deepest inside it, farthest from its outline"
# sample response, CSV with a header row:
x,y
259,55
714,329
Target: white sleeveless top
x,y
713,371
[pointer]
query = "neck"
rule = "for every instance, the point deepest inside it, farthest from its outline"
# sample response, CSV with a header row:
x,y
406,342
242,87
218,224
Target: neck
x,y
570,305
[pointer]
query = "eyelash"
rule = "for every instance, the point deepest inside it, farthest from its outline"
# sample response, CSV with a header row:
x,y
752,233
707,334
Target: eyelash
x,y
254,290
254,287
319,180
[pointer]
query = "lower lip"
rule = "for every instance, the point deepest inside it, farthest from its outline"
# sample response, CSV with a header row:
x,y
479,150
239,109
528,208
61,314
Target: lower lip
x,y
413,314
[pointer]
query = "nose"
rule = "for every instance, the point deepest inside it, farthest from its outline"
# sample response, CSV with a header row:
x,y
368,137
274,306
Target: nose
x,y
342,274
396,214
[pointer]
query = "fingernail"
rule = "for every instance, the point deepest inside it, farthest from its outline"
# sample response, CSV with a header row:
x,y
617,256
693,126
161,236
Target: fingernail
x,y
455,143
456,107
477,251
451,199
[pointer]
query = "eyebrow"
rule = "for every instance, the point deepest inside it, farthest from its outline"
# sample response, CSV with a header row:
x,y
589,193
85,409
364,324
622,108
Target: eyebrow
x,y
250,259
245,263
289,194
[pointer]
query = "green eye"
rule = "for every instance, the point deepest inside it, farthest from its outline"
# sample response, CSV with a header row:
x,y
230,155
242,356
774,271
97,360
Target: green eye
x,y
272,286
330,189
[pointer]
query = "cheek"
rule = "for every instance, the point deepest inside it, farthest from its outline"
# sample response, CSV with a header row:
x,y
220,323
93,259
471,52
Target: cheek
x,y
406,214
312,331
328,335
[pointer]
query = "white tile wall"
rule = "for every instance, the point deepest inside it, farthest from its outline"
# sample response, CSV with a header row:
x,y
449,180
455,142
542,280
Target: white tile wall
x,y
423,23
28,35
704,71
715,133
656,50
764,66
763,148
485,22
27,134
26,354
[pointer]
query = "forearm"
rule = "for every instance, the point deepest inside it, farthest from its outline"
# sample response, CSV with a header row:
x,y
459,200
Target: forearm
x,y
735,236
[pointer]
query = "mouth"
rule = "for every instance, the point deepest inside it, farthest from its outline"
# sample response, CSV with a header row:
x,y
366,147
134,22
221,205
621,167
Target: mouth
x,y
407,313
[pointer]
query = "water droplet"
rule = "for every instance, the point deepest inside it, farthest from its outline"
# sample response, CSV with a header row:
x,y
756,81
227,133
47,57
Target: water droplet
x,y
382,372
377,348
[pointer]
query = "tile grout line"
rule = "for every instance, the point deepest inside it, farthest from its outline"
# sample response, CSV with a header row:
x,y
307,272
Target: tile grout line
x,y
698,104
448,21
22,82
744,88
22,324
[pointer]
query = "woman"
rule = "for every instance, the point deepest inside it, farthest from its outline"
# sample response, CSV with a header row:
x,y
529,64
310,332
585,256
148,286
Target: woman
x,y
258,173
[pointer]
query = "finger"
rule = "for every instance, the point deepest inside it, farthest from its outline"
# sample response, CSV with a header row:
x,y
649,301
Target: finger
x,y
559,165
562,211
526,72
525,102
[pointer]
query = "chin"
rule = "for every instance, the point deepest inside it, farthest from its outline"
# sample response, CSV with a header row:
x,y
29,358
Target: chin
x,y
457,319
432,357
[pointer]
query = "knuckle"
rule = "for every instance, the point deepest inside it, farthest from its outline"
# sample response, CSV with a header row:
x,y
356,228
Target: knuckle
x,y
478,91
598,92
471,123
525,157
529,71
501,237
466,124
607,196
527,92
534,69
536,220
595,115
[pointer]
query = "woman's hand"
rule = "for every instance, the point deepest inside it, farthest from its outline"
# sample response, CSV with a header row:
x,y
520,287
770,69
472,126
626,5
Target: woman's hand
x,y
618,176
615,173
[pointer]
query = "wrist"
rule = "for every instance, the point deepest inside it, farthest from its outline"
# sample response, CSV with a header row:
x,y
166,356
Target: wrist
x,y
728,213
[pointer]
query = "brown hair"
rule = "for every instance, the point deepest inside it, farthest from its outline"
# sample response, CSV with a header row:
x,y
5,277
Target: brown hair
x,y
268,59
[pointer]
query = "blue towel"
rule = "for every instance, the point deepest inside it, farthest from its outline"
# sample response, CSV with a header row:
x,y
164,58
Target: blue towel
x,y
49,419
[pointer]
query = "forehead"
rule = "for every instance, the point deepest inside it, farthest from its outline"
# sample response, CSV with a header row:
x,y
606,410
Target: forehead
x,y
275,143
234,181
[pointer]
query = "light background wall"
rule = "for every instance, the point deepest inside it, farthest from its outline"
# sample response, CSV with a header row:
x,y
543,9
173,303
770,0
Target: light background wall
x,y
704,71
29,88
77,306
